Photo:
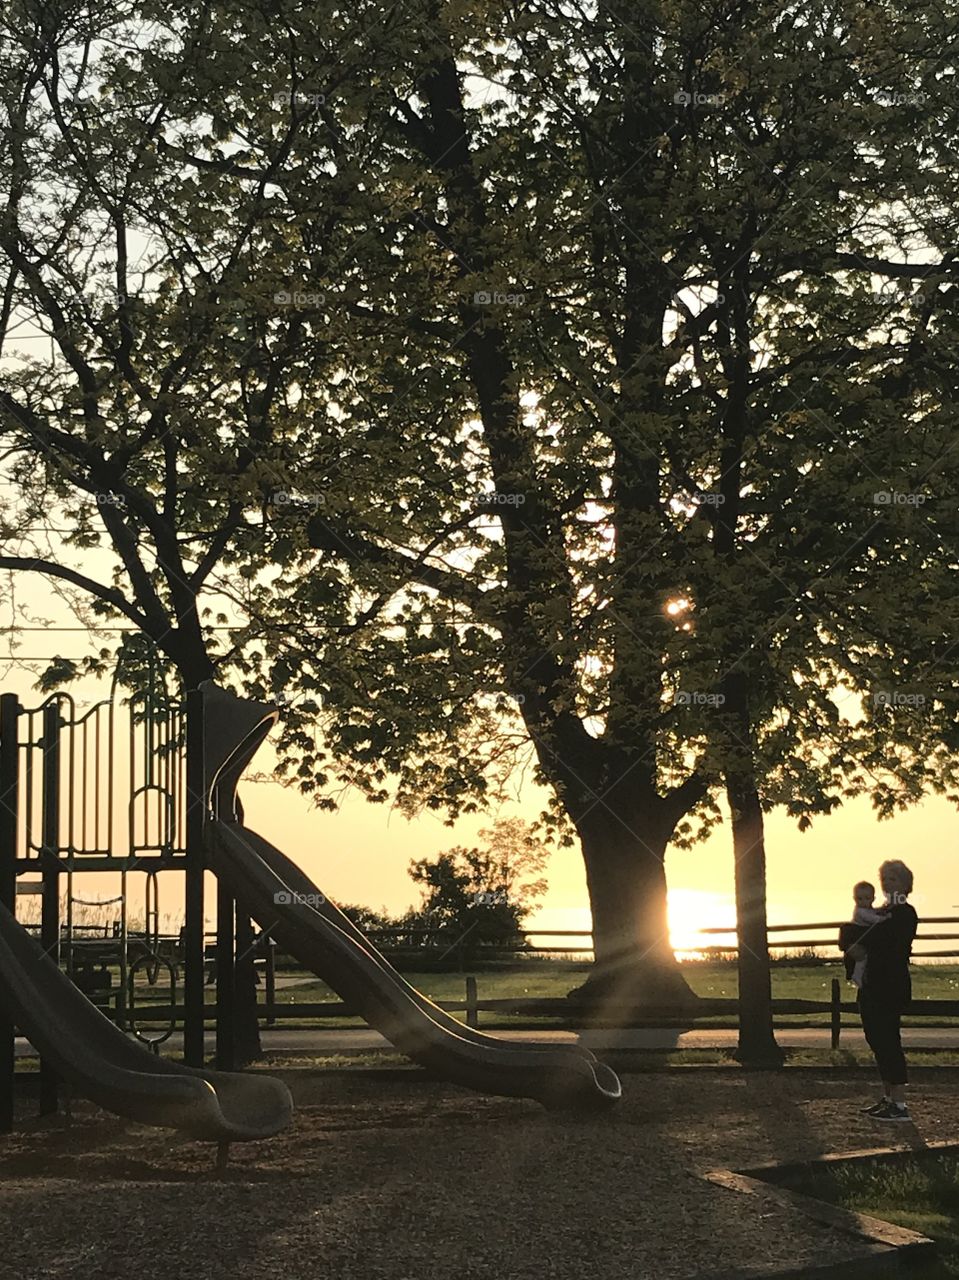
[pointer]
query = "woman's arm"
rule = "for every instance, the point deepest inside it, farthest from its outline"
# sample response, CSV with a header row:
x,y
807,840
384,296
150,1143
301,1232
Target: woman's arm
x,y
893,937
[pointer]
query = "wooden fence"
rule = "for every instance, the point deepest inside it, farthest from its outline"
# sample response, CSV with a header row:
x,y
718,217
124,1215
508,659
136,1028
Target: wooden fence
x,y
722,1013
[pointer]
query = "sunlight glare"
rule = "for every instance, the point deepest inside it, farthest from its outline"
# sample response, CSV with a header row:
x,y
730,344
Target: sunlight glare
x,y
693,909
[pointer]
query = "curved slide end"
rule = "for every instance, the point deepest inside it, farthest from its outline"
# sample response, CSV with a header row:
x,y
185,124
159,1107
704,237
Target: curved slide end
x,y
236,1108
583,1086
103,1064
609,1087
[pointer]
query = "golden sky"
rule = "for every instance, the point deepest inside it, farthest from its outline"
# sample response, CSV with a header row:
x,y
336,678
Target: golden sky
x,y
361,853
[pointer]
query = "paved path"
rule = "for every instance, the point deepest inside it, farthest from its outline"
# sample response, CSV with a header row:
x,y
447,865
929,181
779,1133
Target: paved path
x,y
360,1040
317,1040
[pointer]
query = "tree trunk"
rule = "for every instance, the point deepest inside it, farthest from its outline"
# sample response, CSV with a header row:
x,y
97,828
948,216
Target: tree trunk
x,y
635,969
757,1041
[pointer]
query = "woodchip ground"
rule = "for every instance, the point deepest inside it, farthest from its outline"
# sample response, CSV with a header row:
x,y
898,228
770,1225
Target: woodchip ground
x,y
408,1179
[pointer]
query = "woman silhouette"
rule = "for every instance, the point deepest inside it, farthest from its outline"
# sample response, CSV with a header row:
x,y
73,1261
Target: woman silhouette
x,y
887,988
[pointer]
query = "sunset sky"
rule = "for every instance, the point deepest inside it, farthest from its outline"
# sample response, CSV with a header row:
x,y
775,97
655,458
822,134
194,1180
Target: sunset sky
x,y
361,853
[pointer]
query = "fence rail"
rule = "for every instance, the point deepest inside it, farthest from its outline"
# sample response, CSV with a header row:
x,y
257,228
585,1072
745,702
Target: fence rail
x,y
392,934
563,1009
830,927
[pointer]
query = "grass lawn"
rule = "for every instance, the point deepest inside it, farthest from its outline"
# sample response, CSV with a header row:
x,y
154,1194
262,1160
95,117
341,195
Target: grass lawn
x,y
543,978
921,1194
554,978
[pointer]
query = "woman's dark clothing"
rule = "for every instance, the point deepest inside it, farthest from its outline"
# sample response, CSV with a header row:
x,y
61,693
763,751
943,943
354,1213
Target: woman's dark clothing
x,y
887,987
888,947
881,1024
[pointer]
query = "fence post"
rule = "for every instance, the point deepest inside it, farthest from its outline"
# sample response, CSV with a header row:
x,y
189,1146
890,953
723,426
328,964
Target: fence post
x,y
270,979
472,1013
835,1013
9,799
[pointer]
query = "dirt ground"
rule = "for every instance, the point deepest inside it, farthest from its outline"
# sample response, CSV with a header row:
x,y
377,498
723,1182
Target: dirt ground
x,y
408,1179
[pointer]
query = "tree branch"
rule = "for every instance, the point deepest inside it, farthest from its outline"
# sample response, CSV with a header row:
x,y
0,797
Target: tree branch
x,y
25,564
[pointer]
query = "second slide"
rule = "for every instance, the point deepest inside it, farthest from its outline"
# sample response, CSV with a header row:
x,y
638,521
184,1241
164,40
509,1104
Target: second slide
x,y
285,902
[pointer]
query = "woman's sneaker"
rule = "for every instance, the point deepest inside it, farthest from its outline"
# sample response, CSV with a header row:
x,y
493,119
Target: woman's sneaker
x,y
876,1107
892,1111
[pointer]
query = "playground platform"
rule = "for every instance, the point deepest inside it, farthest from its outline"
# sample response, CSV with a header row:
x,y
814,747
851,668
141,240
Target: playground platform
x,y
410,1178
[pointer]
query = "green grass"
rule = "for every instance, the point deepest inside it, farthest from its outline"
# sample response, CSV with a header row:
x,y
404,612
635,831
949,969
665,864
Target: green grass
x,y
272,1062
921,1194
553,978
541,978
812,982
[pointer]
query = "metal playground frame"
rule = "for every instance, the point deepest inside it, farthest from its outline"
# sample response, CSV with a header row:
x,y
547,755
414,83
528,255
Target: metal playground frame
x,y
118,786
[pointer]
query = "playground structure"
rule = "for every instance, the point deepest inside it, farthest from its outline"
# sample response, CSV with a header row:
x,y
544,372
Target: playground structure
x,y
150,786
52,755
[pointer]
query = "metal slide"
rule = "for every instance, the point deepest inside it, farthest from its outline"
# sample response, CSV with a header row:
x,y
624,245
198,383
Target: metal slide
x,y
282,898
102,1064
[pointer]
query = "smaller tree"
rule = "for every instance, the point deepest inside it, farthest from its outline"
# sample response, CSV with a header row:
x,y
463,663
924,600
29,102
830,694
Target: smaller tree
x,y
366,918
473,897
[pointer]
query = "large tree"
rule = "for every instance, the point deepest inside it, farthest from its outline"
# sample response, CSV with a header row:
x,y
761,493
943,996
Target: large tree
x,y
499,317
613,261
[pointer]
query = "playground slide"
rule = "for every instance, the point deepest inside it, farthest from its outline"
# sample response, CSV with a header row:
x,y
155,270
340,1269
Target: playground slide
x,y
103,1064
283,899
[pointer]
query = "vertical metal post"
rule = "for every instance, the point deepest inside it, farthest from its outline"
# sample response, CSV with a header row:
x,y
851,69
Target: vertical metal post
x,y
225,978
9,803
120,1003
270,946
50,873
472,1013
835,1013
196,814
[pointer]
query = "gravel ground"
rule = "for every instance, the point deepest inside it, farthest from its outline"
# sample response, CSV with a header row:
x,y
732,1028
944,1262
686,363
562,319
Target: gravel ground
x,y
412,1180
